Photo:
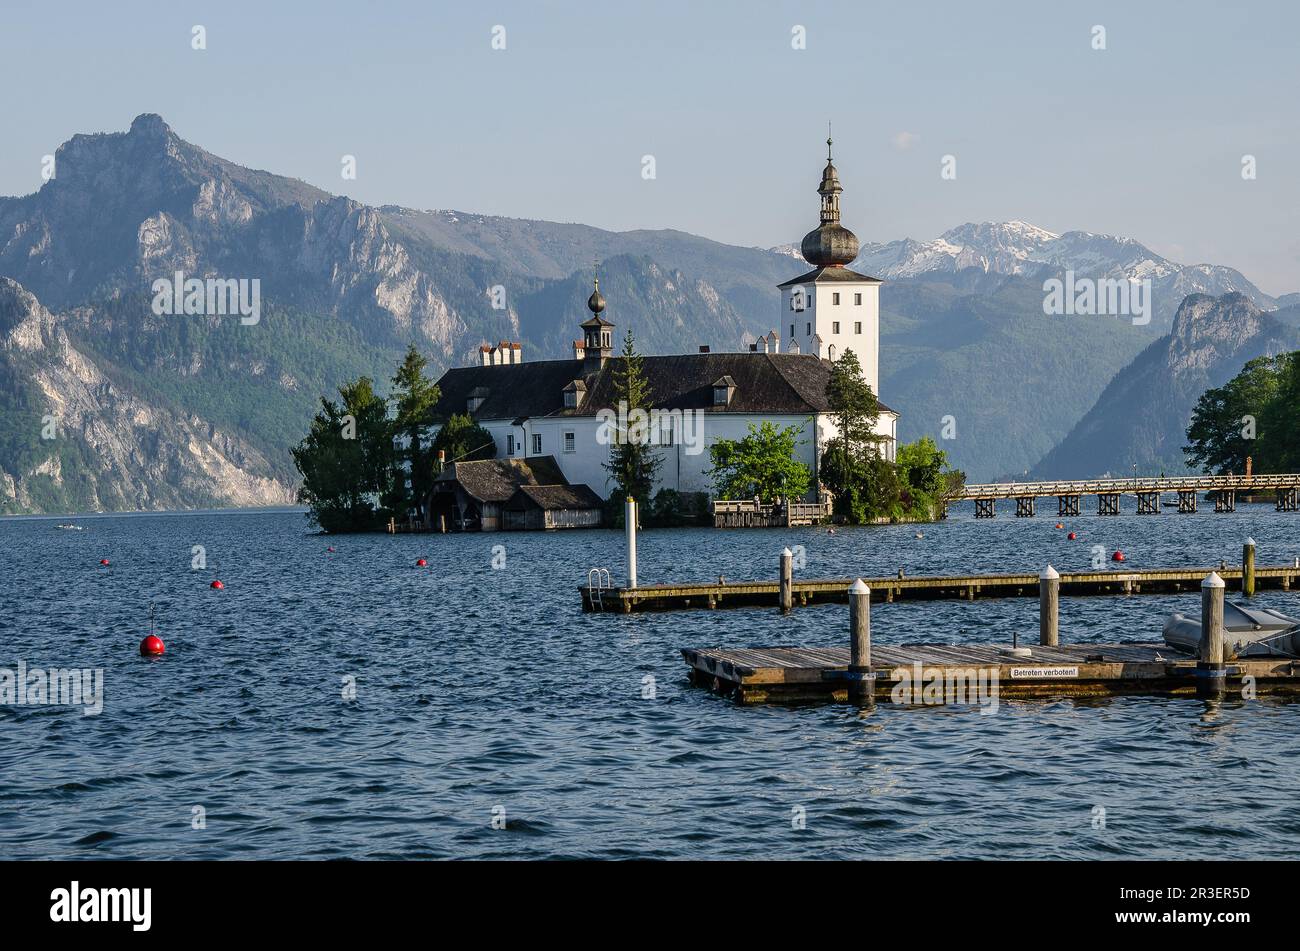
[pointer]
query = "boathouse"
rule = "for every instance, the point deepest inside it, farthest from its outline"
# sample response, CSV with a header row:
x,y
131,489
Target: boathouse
x,y
490,495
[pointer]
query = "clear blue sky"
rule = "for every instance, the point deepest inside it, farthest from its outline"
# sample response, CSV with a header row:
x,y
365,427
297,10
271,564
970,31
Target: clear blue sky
x,y
1144,139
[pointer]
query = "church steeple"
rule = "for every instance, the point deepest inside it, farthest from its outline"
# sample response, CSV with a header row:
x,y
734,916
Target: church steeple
x,y
830,245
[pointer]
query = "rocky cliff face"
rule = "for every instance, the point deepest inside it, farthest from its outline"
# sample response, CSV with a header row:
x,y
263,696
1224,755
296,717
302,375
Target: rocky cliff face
x,y
93,444
1142,415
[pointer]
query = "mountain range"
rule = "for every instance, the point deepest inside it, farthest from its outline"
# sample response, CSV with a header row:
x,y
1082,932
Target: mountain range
x,y
166,412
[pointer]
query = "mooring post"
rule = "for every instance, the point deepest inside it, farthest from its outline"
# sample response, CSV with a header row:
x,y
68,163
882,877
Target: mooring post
x,y
1049,599
861,685
629,518
787,581
1211,675
1248,568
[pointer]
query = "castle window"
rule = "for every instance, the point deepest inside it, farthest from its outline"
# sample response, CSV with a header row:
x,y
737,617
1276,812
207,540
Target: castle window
x,y
510,444
537,444
835,298
809,331
857,299
792,331
857,326
835,326
570,442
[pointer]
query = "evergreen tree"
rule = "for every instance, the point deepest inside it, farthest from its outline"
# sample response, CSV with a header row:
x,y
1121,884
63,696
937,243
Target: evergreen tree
x,y
850,465
461,440
633,464
346,460
414,397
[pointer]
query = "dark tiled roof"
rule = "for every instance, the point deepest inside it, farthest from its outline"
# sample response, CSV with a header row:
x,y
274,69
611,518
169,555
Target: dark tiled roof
x,y
496,480
830,275
555,497
784,383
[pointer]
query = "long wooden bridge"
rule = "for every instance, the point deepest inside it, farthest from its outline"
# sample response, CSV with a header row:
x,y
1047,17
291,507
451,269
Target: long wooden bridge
x,y
1147,491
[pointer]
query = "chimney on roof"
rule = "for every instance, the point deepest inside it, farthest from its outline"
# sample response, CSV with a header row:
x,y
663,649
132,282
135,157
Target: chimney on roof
x,y
505,352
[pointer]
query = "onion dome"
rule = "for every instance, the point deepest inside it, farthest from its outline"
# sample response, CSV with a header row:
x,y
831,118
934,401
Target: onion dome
x,y
830,244
596,302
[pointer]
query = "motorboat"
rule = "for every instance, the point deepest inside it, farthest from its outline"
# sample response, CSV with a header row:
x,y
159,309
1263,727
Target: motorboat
x,y
1248,632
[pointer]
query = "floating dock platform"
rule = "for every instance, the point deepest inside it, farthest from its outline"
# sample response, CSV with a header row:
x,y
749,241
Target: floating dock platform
x,y
729,594
965,673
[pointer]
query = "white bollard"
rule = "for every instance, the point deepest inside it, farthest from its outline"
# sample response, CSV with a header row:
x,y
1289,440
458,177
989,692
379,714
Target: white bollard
x,y
629,519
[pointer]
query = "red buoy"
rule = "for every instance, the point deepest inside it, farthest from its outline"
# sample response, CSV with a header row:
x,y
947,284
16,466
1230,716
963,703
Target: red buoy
x,y
103,561
216,584
1118,556
1059,525
151,646
421,563
1072,536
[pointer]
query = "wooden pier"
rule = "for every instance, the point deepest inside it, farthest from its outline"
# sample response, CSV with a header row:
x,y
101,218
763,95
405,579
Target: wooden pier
x,y
751,513
775,674
985,674
729,594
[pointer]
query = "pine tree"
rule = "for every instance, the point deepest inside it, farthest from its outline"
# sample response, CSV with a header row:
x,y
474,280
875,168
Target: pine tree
x,y
414,397
633,464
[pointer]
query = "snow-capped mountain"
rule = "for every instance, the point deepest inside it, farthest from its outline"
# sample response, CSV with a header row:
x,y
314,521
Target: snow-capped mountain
x,y
1020,248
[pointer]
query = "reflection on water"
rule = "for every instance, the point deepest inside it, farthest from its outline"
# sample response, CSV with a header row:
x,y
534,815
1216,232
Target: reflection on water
x,y
485,694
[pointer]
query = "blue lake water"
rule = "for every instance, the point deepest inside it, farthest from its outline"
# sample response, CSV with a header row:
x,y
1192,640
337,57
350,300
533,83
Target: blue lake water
x,y
485,692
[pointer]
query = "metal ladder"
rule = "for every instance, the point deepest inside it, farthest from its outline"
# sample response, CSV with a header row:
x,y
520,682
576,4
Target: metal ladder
x,y
602,583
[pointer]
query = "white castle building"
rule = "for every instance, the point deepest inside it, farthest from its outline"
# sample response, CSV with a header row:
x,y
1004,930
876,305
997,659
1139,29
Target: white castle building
x,y
554,414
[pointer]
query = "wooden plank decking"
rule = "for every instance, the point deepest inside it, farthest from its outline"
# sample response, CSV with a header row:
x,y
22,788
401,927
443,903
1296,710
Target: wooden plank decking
x,y
784,674
677,597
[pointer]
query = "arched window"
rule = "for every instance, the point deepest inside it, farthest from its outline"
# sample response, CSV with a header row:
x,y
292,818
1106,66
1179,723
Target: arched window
x,y
830,353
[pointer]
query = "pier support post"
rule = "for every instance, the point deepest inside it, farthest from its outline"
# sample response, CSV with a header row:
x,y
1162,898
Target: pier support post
x,y
861,684
1211,675
787,581
1049,600
629,520
1248,568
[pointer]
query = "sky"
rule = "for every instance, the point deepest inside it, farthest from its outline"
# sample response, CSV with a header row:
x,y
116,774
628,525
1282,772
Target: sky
x,y
1144,138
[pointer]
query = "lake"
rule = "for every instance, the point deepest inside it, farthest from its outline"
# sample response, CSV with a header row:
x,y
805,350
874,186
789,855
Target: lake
x,y
484,698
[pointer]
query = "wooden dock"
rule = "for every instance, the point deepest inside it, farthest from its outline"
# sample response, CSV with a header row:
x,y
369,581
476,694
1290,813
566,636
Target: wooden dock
x,y
727,594
952,673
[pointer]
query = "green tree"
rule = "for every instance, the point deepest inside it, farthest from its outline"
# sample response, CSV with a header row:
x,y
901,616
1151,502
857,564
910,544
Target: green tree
x,y
851,464
461,439
1244,417
414,397
1278,437
761,464
633,463
926,478
346,460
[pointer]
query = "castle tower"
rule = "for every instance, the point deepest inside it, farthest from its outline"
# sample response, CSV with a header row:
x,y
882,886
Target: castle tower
x,y
833,308
597,333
